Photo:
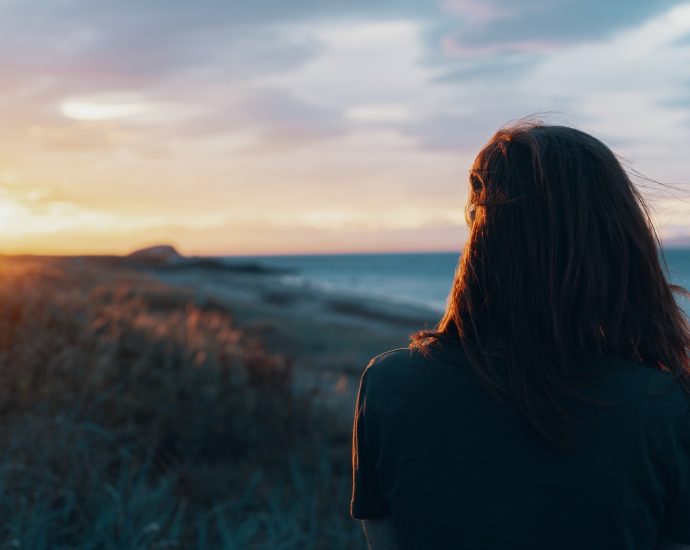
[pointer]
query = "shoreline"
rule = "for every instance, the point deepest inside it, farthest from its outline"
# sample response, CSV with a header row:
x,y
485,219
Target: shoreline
x,y
328,336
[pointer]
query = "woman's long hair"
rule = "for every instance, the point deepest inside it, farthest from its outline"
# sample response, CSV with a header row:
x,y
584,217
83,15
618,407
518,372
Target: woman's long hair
x,y
561,263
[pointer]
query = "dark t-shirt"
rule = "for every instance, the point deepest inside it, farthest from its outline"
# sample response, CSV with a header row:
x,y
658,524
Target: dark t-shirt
x,y
456,469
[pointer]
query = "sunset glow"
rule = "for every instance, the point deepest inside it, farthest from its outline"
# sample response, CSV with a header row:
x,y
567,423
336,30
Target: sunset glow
x,y
241,130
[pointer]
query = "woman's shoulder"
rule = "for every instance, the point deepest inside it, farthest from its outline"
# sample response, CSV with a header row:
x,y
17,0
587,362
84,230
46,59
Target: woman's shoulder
x,y
399,367
444,350
388,362
390,379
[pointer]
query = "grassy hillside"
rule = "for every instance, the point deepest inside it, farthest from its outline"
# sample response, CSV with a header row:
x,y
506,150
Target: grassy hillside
x,y
135,415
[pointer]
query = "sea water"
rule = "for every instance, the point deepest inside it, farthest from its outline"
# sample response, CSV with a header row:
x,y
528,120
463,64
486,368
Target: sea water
x,y
421,278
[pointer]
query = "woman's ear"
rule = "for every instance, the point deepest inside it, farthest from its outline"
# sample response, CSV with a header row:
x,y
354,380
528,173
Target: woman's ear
x,y
469,213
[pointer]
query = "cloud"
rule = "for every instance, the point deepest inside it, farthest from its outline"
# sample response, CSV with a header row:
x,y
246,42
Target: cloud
x,y
137,40
492,41
274,117
322,114
26,214
543,25
395,218
610,87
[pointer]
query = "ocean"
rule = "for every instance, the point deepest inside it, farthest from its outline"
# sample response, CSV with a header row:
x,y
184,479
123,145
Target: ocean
x,y
420,279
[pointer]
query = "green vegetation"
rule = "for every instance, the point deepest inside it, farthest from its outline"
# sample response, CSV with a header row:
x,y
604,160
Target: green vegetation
x,y
135,415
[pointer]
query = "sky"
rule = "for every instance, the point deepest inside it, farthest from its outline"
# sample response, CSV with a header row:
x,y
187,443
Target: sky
x,y
310,126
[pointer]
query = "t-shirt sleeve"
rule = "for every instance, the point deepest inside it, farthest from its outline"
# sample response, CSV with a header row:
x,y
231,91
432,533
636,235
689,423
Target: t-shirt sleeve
x,y
677,526
368,500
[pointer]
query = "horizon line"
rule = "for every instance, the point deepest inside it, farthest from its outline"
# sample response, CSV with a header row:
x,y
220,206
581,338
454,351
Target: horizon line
x,y
671,245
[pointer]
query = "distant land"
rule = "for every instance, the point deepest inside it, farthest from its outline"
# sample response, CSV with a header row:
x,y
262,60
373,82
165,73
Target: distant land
x,y
163,257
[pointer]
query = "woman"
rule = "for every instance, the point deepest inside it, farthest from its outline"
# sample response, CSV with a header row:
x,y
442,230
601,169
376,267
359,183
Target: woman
x,y
549,408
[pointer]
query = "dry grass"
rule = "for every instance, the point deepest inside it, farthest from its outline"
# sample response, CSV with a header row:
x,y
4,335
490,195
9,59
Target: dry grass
x,y
136,416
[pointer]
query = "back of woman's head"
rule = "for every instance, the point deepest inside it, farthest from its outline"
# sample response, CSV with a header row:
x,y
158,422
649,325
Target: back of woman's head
x,y
561,264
